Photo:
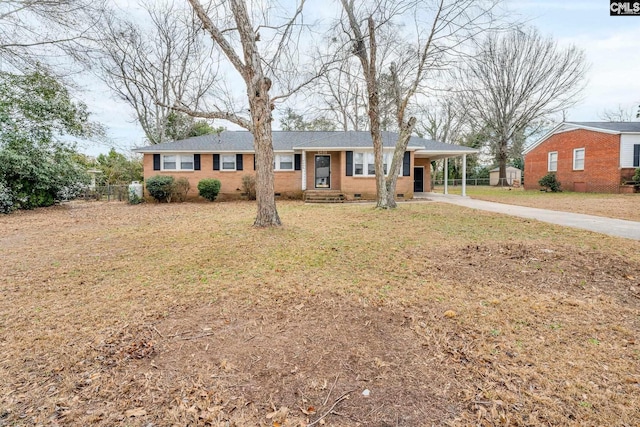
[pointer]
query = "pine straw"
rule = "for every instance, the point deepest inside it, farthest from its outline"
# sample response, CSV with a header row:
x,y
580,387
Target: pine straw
x,y
183,314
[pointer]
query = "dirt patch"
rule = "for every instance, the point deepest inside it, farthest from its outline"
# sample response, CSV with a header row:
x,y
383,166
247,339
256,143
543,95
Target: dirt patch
x,y
219,364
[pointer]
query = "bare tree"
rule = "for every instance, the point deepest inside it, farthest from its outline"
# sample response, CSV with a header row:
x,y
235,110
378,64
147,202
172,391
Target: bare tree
x,y
36,33
619,114
440,28
152,64
257,43
516,80
342,94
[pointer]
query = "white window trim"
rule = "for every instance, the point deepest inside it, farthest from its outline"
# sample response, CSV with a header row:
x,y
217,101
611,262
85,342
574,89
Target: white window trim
x,y
584,152
235,163
365,169
178,162
277,158
549,161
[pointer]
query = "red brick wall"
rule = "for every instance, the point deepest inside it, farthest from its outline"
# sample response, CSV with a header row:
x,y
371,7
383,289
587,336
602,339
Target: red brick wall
x,y
601,172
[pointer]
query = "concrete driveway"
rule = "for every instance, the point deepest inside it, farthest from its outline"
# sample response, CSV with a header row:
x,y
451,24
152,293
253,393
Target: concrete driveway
x,y
598,224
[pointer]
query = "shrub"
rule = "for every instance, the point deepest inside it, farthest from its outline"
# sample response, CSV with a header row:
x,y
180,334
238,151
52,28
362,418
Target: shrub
x,y
249,186
6,199
181,189
209,188
160,187
636,176
550,182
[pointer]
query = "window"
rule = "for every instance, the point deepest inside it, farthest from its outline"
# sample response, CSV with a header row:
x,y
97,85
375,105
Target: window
x,y
186,162
364,163
553,161
178,162
169,162
229,162
578,159
283,162
358,163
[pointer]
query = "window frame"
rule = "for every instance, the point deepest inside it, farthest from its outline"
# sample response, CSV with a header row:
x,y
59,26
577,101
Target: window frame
x,y
368,160
277,160
575,151
222,162
549,161
178,162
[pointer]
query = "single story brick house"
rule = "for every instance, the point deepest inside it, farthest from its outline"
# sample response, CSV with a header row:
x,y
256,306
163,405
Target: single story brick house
x,y
592,157
314,161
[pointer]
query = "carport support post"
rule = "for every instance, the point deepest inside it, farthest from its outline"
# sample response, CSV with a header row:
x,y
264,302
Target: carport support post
x,y
445,175
464,175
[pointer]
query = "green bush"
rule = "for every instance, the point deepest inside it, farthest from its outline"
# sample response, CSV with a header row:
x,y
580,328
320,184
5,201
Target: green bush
x,y
181,189
209,188
249,186
550,183
636,176
160,187
6,199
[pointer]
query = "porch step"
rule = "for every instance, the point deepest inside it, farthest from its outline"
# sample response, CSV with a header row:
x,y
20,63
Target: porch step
x,y
327,196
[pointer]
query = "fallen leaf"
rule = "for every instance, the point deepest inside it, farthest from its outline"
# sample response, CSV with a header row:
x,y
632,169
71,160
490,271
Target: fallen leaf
x,y
136,412
449,314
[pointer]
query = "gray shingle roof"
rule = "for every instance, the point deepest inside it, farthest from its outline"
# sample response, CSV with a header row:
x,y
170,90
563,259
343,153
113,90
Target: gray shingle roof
x,y
613,126
239,141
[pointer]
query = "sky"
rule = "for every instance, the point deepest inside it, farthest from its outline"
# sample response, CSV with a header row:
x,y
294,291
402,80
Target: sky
x,y
611,45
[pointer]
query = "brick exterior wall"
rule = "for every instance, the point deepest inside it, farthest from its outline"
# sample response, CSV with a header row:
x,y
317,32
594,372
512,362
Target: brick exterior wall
x,y
289,183
601,172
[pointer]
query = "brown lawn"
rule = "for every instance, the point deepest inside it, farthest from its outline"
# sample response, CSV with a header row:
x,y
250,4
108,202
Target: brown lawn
x,y
183,314
623,206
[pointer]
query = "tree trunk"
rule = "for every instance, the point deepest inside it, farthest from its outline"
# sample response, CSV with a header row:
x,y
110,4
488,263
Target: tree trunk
x,y
260,108
396,163
502,164
262,140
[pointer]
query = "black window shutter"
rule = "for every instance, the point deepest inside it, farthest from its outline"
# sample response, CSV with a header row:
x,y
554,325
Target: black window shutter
x,y
238,162
349,163
216,162
297,162
636,155
406,164
254,162
156,162
196,162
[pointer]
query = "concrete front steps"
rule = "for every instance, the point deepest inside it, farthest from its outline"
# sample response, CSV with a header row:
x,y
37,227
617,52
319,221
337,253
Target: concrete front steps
x,y
323,196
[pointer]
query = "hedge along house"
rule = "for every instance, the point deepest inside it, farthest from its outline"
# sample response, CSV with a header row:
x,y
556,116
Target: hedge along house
x,y
315,163
585,156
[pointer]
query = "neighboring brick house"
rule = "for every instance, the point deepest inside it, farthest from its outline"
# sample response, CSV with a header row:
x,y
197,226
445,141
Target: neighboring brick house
x,y
337,162
592,157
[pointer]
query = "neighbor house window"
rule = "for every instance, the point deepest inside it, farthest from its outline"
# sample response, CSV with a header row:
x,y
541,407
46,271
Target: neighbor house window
x,y
578,159
182,162
553,161
364,163
229,162
283,162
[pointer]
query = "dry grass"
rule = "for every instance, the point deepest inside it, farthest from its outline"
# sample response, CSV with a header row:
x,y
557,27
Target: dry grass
x,y
183,314
622,206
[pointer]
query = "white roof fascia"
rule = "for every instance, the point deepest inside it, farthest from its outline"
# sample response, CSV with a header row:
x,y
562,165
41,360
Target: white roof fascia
x,y
410,148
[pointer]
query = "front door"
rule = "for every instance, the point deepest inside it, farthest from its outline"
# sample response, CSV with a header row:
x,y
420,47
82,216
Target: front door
x,y
323,171
418,179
